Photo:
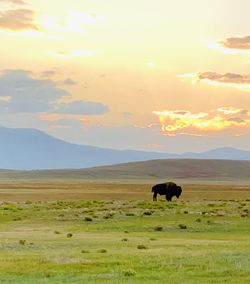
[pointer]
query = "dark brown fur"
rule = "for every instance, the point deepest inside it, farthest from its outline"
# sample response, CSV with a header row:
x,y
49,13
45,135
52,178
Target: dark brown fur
x,y
169,189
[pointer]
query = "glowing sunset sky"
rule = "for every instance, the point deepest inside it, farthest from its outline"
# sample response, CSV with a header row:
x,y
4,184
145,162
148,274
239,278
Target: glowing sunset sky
x,y
162,75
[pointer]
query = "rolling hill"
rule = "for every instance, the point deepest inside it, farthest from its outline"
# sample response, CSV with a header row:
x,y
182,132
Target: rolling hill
x,y
153,170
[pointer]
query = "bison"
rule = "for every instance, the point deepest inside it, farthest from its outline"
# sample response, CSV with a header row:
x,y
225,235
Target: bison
x,y
169,189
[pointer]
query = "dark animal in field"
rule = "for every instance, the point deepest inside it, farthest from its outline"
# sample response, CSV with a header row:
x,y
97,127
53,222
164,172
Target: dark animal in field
x,y
169,189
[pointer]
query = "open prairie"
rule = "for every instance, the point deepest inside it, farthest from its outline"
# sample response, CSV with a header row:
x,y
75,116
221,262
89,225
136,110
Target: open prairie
x,y
54,190
87,232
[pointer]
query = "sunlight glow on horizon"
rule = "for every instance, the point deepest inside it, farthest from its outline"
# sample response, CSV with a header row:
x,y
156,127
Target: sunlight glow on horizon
x,y
173,121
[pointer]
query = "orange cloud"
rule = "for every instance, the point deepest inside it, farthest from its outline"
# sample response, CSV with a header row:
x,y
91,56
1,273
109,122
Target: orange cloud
x,y
232,80
50,117
17,20
241,43
16,2
175,122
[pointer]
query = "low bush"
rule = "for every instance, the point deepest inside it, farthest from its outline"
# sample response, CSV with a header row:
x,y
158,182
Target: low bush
x,y
102,251
142,247
158,228
128,272
130,214
88,219
182,226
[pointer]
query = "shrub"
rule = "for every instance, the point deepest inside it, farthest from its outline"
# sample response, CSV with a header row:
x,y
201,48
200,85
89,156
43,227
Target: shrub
x,y
158,228
182,226
108,216
69,235
22,242
84,251
141,247
130,214
128,272
125,240
17,219
102,251
147,213
88,219
198,220
57,232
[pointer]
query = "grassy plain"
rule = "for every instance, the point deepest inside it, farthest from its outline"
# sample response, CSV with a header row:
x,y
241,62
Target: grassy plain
x,y
85,232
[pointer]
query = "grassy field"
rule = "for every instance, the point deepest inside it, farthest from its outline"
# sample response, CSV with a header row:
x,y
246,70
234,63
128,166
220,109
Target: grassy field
x,y
121,236
53,191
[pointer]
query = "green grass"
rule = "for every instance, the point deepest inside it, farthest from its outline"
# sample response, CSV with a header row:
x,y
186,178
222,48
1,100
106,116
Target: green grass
x,y
36,248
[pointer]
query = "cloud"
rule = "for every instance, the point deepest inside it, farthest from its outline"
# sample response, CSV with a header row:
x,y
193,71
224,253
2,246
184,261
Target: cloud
x,y
28,94
50,117
68,123
17,20
232,110
237,43
16,2
130,137
224,118
232,80
127,114
232,45
48,73
75,53
72,22
51,73
225,78
21,93
82,108
69,82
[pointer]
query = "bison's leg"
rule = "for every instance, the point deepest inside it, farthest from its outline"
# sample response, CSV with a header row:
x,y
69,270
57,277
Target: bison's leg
x,y
155,196
168,198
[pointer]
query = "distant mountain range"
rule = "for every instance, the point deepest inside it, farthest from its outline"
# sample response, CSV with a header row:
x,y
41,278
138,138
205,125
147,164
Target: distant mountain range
x,y
26,149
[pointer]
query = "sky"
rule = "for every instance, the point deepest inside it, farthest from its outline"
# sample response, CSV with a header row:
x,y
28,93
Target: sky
x,y
154,75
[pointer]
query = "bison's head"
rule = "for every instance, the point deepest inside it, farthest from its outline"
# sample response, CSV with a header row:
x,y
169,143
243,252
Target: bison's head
x,y
178,191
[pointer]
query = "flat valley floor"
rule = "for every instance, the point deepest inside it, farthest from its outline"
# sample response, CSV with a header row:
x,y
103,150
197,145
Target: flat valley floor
x,y
87,232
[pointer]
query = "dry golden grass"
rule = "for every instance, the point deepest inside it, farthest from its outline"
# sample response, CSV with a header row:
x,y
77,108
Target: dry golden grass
x,y
37,191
